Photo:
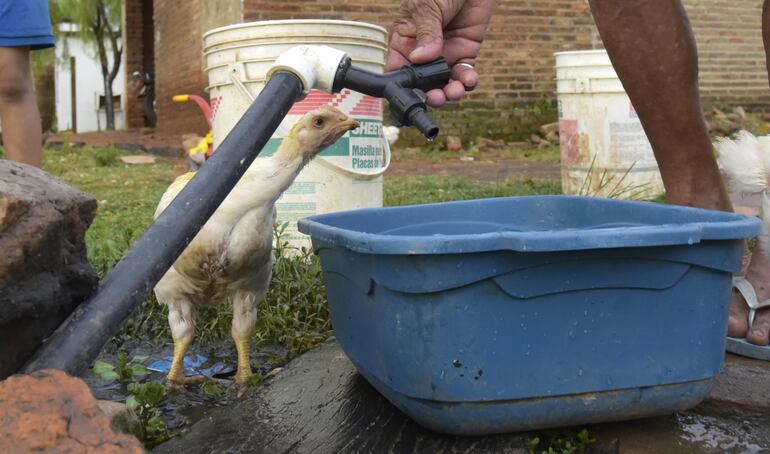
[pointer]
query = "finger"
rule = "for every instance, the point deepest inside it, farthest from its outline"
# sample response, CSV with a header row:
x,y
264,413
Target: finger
x,y
429,33
436,98
395,60
399,48
466,75
454,91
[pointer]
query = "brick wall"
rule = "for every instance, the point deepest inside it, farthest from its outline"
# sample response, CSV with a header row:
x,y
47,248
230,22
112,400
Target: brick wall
x,y
732,60
178,64
517,58
134,51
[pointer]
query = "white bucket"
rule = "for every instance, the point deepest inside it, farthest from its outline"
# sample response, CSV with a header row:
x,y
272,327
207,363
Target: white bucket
x,y
604,150
347,175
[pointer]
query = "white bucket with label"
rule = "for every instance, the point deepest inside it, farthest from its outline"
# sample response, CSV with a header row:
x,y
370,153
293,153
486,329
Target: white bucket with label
x,y
347,175
604,150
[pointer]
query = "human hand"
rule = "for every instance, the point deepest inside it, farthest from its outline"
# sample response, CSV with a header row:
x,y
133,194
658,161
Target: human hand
x,y
427,29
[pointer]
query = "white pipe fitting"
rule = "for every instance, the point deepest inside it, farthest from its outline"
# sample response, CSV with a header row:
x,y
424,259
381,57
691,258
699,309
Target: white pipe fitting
x,y
315,66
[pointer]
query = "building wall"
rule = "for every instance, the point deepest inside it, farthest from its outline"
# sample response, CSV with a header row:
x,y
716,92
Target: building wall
x,y
516,61
89,84
134,57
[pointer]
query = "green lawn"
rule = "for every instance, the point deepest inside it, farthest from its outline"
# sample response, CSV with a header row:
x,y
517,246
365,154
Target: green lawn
x,y
294,313
437,153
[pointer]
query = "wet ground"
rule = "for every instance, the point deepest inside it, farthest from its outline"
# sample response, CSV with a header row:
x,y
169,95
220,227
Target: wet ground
x,y
184,409
319,404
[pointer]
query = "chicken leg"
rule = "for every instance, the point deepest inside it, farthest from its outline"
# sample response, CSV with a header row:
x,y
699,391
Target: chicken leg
x,y
182,323
244,317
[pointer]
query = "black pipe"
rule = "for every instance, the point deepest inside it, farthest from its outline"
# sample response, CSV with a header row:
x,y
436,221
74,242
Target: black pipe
x,y
78,341
402,88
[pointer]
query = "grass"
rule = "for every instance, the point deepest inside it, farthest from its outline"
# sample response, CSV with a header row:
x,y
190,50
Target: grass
x,y
438,153
294,314
408,190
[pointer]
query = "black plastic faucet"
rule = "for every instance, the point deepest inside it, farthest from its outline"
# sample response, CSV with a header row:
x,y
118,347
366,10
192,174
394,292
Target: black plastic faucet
x,y
404,89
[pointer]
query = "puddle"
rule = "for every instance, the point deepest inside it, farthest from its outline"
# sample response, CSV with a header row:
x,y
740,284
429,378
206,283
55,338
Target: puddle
x,y
712,427
181,410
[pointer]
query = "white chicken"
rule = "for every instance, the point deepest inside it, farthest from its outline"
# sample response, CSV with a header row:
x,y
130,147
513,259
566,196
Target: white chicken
x,y
391,133
746,161
232,255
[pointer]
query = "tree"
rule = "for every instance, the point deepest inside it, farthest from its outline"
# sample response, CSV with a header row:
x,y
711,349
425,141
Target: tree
x,y
99,23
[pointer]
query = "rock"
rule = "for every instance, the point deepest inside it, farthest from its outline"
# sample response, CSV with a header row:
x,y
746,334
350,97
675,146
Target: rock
x,y
319,404
552,137
44,273
138,159
482,143
740,112
549,128
535,139
467,158
122,419
51,412
190,141
453,143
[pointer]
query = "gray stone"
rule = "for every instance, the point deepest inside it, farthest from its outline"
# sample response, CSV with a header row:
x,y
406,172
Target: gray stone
x,y
319,404
44,273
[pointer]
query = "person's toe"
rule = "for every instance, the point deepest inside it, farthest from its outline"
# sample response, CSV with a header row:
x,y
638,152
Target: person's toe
x,y
759,334
737,324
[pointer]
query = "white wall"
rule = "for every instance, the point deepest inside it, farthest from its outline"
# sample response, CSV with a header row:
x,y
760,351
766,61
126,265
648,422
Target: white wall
x,y
89,84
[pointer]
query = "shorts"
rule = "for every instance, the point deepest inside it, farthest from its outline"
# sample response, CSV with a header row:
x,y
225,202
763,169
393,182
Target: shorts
x,y
25,23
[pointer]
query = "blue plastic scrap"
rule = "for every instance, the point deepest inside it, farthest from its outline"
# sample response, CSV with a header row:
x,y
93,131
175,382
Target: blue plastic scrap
x,y
192,366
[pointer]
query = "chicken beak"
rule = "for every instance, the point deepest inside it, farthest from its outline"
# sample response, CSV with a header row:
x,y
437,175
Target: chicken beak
x,y
351,124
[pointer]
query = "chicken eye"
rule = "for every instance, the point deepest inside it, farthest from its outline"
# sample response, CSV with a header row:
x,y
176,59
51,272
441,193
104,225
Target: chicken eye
x,y
318,122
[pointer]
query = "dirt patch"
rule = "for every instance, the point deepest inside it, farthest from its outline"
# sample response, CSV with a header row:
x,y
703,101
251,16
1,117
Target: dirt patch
x,y
143,139
487,170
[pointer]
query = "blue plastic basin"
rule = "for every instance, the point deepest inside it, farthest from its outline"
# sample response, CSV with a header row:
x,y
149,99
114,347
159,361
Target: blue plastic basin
x,y
521,313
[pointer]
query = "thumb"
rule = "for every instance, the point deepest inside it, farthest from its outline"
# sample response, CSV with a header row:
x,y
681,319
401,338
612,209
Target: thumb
x,y
430,37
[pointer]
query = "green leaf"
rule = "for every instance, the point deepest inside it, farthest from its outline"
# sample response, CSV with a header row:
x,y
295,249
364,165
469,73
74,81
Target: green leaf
x,y
105,370
132,403
155,425
140,358
212,389
139,371
153,393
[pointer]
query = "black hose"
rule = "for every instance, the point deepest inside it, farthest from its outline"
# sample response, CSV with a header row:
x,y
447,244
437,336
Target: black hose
x,y
78,341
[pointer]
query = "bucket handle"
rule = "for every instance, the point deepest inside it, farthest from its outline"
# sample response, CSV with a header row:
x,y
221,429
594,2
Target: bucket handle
x,y
236,72
359,175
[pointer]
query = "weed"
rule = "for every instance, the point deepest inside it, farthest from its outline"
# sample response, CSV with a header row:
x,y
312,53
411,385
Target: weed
x,y
611,186
256,379
105,157
124,371
569,442
144,400
210,388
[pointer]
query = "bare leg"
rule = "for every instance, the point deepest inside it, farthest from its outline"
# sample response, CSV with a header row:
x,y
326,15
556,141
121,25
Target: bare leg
x,y
653,51
758,272
244,317
22,136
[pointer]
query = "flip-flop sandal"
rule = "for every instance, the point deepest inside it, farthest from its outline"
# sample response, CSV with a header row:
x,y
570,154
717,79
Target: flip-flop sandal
x,y
742,346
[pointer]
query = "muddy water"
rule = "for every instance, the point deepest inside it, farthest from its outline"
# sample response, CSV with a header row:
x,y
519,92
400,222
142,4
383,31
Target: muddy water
x,y
712,427
182,410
